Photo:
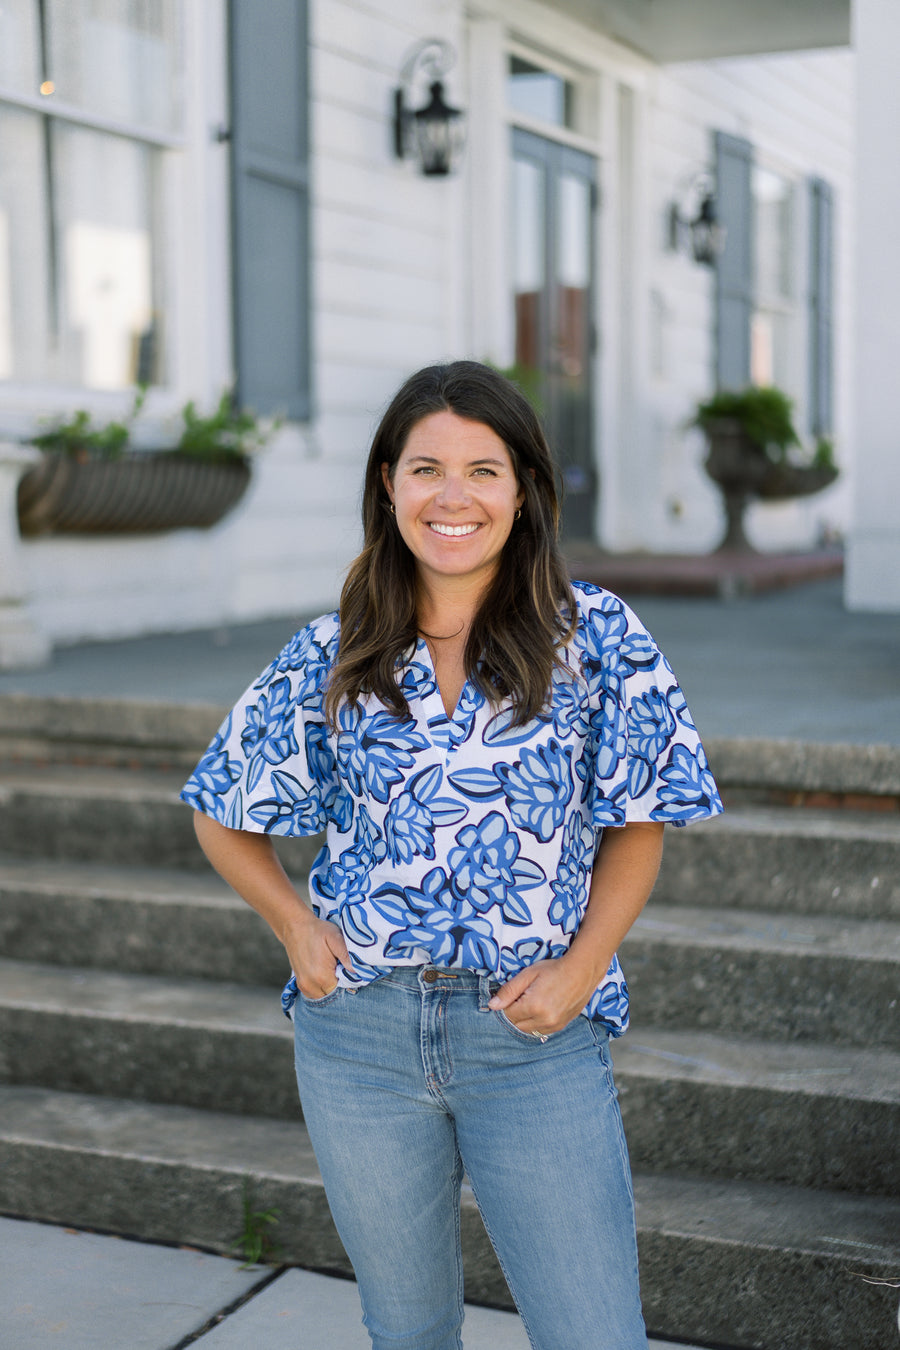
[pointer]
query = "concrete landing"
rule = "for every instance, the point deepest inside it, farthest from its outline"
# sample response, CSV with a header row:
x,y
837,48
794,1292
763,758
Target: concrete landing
x,y
84,1291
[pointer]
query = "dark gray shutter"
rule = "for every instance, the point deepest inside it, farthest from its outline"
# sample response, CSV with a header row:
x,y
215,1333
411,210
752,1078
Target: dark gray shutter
x,y
270,204
821,254
735,267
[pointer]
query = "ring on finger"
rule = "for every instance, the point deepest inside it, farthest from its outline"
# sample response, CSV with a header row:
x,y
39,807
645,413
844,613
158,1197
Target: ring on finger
x,y
538,1035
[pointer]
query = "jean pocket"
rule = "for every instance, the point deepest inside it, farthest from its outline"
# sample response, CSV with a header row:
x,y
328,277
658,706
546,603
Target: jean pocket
x,y
319,1002
521,1035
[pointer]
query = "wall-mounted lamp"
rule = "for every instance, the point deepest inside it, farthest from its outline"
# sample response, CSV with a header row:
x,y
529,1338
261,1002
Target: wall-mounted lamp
x,y
435,132
694,225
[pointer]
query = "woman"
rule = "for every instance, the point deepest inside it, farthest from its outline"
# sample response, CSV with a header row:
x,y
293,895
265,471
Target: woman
x,y
493,752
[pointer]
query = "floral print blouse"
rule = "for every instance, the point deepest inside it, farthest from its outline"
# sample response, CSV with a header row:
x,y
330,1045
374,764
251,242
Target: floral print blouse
x,y
461,841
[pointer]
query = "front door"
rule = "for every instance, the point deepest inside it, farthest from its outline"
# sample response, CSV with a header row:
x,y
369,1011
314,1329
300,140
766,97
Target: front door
x,y
554,203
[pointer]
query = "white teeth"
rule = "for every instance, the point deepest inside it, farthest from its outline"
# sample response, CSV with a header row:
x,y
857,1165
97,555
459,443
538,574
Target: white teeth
x,y
454,530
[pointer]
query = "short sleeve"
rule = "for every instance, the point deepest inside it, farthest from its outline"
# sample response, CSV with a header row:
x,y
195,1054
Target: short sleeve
x,y
647,760
270,769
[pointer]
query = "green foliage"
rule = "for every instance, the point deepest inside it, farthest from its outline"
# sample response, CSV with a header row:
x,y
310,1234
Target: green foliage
x,y
824,454
765,414
255,1242
227,433
528,379
81,440
224,435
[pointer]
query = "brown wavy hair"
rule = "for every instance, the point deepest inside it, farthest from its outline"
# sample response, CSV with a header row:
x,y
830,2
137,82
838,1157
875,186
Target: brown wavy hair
x,y
527,612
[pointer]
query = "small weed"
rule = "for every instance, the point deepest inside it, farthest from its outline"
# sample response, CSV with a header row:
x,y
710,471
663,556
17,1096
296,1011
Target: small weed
x,y
255,1242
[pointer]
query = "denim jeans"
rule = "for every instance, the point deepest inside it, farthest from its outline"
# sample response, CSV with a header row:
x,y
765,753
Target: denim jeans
x,y
406,1082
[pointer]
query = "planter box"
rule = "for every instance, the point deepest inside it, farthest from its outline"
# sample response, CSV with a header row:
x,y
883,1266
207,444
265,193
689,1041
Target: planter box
x,y
139,493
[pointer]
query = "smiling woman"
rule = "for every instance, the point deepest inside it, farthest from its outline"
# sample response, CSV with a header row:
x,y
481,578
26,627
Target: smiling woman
x,y
455,494
493,752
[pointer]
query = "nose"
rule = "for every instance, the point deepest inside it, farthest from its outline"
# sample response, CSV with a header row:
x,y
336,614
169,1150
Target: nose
x,y
454,492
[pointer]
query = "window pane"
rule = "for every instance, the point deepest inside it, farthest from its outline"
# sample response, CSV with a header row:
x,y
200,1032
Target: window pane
x,y
573,273
109,311
772,198
117,58
20,60
539,93
23,256
528,259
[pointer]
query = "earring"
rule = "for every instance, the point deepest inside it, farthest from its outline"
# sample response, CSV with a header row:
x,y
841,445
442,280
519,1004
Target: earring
x,y
393,512
518,513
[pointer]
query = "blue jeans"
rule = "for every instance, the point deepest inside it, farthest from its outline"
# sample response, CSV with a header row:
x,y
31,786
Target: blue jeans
x,y
406,1082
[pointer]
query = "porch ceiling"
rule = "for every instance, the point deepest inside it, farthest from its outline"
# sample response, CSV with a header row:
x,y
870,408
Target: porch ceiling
x,y
689,30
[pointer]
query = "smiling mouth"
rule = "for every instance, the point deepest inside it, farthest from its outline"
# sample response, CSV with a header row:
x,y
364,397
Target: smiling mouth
x,y
452,531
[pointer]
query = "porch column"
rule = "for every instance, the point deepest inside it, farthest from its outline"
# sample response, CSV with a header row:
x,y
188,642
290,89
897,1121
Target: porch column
x,y
21,645
873,555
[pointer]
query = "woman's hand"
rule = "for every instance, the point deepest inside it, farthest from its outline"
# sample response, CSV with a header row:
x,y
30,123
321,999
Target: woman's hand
x,y
315,947
249,864
546,996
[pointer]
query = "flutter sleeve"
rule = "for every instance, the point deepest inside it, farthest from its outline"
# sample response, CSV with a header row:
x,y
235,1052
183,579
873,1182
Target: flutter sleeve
x,y
647,760
270,768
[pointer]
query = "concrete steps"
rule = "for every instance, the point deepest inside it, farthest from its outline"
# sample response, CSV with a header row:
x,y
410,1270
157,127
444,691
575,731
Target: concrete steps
x,y
810,1113
140,919
146,1074
130,817
781,1252
767,974
804,861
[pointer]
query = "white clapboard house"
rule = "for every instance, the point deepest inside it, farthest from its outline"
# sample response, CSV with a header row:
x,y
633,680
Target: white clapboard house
x,y
206,193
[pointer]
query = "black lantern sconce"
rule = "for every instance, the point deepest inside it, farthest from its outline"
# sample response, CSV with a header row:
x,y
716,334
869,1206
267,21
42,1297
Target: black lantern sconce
x,y
434,132
694,226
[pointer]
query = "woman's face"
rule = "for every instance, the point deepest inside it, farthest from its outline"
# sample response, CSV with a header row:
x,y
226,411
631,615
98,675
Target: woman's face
x,y
455,495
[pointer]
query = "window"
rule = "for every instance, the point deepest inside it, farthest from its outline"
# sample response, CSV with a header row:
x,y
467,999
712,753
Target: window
x,y
770,328
772,321
89,106
540,93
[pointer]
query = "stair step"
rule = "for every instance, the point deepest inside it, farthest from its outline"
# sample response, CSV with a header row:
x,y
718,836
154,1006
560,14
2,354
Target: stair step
x,y
124,816
773,858
206,1044
134,919
809,1115
820,1114
818,976
734,1263
704,967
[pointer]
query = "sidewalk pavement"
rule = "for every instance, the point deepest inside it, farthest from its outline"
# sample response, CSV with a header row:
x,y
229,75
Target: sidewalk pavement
x,y
84,1291
786,664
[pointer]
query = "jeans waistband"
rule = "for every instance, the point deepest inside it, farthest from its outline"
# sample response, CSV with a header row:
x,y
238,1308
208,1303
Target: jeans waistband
x,y
440,979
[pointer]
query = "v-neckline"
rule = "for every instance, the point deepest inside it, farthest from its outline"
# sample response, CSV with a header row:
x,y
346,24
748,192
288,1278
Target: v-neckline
x,y
422,648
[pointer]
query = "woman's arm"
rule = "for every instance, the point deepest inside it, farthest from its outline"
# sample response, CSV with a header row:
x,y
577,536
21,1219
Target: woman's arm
x,y
249,864
545,996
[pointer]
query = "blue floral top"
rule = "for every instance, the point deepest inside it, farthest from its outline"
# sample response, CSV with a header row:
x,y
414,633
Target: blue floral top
x,y
462,841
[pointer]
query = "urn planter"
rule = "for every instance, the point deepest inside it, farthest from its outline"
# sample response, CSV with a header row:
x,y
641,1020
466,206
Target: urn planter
x,y
134,494
743,470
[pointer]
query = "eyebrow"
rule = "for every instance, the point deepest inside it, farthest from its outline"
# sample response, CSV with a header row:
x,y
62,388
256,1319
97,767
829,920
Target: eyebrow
x,y
473,463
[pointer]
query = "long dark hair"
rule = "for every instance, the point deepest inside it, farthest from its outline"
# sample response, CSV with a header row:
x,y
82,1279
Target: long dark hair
x,y
527,612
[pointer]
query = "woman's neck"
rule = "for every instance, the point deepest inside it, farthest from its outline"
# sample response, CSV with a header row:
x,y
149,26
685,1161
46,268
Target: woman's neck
x,y
445,609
